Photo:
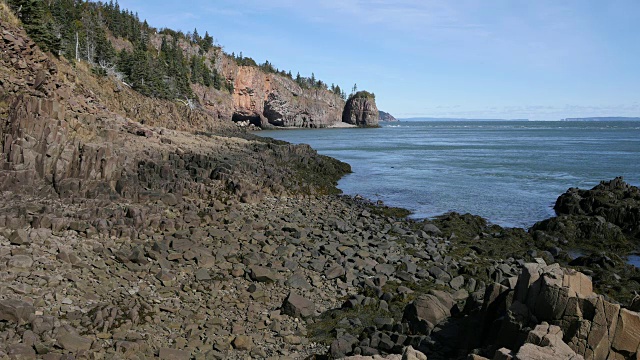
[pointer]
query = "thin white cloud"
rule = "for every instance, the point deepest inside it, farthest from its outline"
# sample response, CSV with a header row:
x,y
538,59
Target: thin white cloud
x,y
531,112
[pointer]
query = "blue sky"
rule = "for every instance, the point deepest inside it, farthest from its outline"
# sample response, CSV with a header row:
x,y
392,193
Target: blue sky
x,y
542,59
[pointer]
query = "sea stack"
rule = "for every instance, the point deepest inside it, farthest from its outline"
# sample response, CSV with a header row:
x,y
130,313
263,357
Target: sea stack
x,y
361,110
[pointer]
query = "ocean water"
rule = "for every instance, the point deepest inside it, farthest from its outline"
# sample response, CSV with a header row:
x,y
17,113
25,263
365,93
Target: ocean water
x,y
509,172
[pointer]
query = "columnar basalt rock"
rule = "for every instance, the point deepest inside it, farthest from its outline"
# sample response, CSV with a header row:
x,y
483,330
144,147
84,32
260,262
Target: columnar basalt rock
x,y
593,327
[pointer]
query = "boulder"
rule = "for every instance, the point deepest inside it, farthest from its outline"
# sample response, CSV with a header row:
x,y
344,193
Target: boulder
x,y
627,338
20,262
262,274
342,346
297,306
606,217
615,200
73,342
544,342
173,354
427,311
21,352
594,328
19,237
410,353
16,311
243,342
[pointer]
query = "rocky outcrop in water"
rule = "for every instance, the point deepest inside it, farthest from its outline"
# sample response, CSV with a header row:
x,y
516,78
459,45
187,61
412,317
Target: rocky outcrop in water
x,y
361,110
615,201
606,217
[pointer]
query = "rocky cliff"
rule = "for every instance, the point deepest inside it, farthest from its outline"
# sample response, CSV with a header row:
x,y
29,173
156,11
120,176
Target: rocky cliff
x,y
67,133
268,100
361,110
386,117
263,99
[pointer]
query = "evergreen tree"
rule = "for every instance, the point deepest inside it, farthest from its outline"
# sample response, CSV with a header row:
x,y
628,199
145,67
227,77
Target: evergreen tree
x,y
206,43
39,28
195,38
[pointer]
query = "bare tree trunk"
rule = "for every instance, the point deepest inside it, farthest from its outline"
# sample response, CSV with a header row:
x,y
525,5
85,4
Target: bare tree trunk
x,y
77,46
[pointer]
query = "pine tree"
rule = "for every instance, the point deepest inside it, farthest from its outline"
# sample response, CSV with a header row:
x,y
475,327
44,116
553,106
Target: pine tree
x,y
195,38
207,42
32,15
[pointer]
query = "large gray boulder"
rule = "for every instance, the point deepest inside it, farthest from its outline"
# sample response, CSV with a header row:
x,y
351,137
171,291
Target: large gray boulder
x,y
427,311
298,306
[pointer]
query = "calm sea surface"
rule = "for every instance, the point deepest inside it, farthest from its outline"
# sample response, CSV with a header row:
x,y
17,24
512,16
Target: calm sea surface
x,y
508,172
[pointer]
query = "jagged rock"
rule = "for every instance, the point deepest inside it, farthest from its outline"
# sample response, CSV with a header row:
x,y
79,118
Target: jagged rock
x,y
607,216
431,229
19,237
545,343
410,353
615,200
596,328
427,311
16,311
342,346
298,281
297,306
262,274
627,334
361,110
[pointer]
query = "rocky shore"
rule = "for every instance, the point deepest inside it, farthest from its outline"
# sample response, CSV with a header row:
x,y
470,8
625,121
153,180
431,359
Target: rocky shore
x,y
174,235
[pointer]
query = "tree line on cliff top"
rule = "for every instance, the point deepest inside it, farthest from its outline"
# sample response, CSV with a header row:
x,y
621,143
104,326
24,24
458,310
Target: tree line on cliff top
x,y
86,31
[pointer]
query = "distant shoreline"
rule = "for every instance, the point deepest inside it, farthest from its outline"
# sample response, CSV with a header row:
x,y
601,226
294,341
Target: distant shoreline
x,y
612,118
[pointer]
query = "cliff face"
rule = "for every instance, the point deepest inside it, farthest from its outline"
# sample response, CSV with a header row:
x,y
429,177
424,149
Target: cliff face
x,y
270,100
361,111
66,133
263,99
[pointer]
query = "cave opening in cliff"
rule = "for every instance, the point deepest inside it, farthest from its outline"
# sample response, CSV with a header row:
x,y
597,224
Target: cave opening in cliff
x,y
246,120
